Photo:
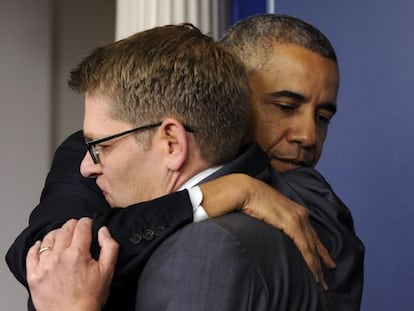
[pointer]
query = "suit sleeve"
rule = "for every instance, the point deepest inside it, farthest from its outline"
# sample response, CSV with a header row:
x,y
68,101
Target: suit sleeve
x,y
333,222
67,195
247,266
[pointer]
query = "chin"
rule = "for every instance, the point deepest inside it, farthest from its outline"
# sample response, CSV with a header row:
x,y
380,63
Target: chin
x,y
284,167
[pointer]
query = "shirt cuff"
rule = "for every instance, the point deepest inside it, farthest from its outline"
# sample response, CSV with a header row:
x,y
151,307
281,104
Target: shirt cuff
x,y
196,197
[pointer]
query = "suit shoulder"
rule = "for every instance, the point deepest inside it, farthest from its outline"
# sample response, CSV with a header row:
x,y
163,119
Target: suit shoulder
x,y
249,233
260,259
268,250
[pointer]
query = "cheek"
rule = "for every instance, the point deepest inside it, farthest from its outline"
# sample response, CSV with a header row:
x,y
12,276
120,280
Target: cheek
x,y
321,136
130,173
269,134
121,174
125,183
269,126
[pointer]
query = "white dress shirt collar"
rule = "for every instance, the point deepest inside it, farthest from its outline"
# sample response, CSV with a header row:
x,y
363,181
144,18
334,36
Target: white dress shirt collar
x,y
199,177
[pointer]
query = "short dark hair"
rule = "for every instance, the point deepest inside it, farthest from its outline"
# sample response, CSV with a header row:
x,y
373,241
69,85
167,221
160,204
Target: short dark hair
x,y
252,38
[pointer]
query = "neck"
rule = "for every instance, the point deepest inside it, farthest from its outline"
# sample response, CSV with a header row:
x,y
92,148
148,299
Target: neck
x,y
179,179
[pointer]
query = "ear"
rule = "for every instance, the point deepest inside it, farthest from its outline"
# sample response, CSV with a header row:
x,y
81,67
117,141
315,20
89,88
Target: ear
x,y
175,143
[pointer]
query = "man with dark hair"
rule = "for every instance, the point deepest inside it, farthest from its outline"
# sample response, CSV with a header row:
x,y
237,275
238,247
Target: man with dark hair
x,y
294,78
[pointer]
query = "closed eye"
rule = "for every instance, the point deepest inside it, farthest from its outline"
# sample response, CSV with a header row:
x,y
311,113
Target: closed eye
x,y
323,119
325,114
284,107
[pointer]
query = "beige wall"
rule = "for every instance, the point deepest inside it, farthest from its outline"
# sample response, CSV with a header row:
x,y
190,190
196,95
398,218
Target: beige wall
x,y
40,41
79,27
38,45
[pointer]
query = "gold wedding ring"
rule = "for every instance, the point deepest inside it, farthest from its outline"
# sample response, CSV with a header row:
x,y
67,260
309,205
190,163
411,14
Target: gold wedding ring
x,y
44,249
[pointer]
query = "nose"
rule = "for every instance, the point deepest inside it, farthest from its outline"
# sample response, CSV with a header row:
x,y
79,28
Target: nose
x,y
304,131
88,168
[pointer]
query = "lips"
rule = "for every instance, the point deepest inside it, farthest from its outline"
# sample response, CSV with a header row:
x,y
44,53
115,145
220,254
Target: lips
x,y
282,164
296,162
104,193
108,198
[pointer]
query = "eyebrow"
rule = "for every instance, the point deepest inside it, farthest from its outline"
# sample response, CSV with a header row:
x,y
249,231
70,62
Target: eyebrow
x,y
330,106
285,93
91,137
87,137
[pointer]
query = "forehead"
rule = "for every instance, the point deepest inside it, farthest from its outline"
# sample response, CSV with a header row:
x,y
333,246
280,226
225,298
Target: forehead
x,y
98,121
291,67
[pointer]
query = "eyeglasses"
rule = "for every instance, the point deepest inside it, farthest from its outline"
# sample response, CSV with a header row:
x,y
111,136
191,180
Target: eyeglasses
x,y
93,144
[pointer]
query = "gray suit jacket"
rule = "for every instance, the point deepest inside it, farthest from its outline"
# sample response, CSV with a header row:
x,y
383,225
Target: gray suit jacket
x,y
236,262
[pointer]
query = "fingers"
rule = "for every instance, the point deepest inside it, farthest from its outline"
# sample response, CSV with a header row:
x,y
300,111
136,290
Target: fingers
x,y
32,259
49,240
304,240
308,247
63,236
313,251
109,250
76,234
293,220
324,254
82,234
67,276
325,257
73,231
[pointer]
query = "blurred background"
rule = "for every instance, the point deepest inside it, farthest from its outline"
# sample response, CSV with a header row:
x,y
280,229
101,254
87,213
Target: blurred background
x,y
369,149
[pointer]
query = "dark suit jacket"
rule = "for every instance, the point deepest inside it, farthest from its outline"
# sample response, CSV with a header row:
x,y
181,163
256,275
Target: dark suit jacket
x,y
140,228
236,262
66,194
